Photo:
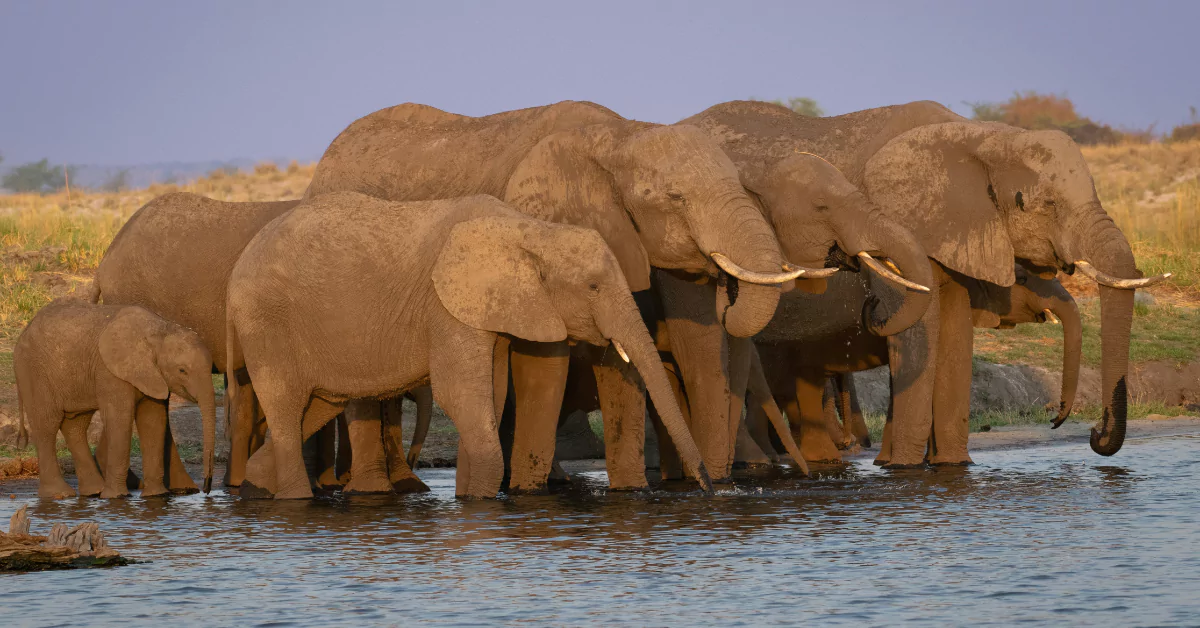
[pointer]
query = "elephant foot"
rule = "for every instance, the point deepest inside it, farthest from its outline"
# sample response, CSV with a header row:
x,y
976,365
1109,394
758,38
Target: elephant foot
x,y
329,481
300,491
939,461
411,484
629,486
558,475
90,489
56,490
248,490
184,485
366,484
155,489
108,493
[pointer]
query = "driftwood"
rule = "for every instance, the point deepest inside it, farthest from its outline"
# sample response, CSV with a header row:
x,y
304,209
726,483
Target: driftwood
x,y
66,548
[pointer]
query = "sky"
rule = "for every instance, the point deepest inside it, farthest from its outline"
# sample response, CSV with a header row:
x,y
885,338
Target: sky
x,y
132,82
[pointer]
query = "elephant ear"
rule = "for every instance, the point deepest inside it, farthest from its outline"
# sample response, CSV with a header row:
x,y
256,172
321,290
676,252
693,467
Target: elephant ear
x,y
931,180
486,279
561,180
128,348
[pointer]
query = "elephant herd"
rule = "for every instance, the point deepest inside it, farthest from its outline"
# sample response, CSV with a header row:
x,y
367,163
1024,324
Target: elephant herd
x,y
735,267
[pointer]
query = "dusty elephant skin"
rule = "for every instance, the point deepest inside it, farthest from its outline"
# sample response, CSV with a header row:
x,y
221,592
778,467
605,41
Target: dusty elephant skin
x,y
173,257
350,297
660,196
820,219
977,196
75,358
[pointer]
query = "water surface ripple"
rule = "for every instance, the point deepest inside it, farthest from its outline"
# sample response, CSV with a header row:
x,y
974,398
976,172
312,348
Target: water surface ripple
x,y
1052,535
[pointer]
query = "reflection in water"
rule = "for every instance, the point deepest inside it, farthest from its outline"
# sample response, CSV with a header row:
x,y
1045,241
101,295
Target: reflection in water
x,y
1045,534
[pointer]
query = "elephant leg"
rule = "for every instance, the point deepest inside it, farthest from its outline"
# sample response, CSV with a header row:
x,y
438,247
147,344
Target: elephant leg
x,y
461,372
400,475
242,415
364,430
740,350
345,449
293,418
757,429
258,431
763,401
622,396
952,403
848,405
132,481
700,349
118,409
669,464
325,470
177,478
810,431
539,375
913,369
423,397
748,452
43,427
829,413
151,420
74,431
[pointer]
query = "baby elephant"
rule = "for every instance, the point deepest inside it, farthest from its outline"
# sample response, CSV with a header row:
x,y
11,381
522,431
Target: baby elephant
x,y
75,358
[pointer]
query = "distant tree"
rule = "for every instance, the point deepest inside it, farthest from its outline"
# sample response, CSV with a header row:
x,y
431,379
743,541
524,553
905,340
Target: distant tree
x,y
36,176
118,182
1187,132
1034,111
803,106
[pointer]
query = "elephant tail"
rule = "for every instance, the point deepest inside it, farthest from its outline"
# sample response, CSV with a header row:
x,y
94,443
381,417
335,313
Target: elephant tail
x,y
94,292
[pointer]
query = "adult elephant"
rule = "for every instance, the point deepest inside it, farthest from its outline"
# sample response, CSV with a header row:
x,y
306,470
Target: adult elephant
x,y
977,195
798,369
173,257
351,297
660,196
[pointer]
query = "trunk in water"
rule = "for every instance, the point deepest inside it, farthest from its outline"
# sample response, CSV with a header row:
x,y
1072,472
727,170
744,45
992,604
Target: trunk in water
x,y
1104,246
871,231
1067,312
208,412
620,320
745,238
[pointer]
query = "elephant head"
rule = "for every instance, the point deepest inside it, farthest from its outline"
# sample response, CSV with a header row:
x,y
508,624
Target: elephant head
x,y
819,216
981,194
1034,299
547,282
663,196
158,358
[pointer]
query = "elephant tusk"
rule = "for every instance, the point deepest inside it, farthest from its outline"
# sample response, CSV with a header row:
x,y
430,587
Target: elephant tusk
x,y
621,352
887,273
789,273
1050,317
1113,282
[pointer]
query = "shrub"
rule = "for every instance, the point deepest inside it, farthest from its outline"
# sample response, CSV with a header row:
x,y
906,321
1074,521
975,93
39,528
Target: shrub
x,y
803,106
265,168
1034,111
37,177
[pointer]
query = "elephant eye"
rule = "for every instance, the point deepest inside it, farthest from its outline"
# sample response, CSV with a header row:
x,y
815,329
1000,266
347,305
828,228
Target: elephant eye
x,y
182,371
675,196
594,287
1020,201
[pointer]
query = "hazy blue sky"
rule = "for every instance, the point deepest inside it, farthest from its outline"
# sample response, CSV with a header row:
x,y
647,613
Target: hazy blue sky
x,y
122,82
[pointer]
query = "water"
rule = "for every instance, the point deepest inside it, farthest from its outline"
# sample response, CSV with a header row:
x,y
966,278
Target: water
x,y
1053,535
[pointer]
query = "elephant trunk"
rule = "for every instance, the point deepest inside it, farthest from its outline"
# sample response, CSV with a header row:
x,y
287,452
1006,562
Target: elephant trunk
x,y
1104,246
868,230
207,401
744,237
1065,309
620,320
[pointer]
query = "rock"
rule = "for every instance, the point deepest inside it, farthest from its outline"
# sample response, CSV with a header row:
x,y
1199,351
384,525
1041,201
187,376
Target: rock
x,y
19,522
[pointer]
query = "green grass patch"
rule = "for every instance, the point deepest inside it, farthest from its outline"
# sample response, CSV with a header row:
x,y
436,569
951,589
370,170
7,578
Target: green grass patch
x,y
1160,332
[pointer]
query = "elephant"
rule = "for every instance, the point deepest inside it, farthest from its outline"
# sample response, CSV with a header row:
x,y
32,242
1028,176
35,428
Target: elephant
x,y
75,358
351,297
663,197
978,196
173,257
799,368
